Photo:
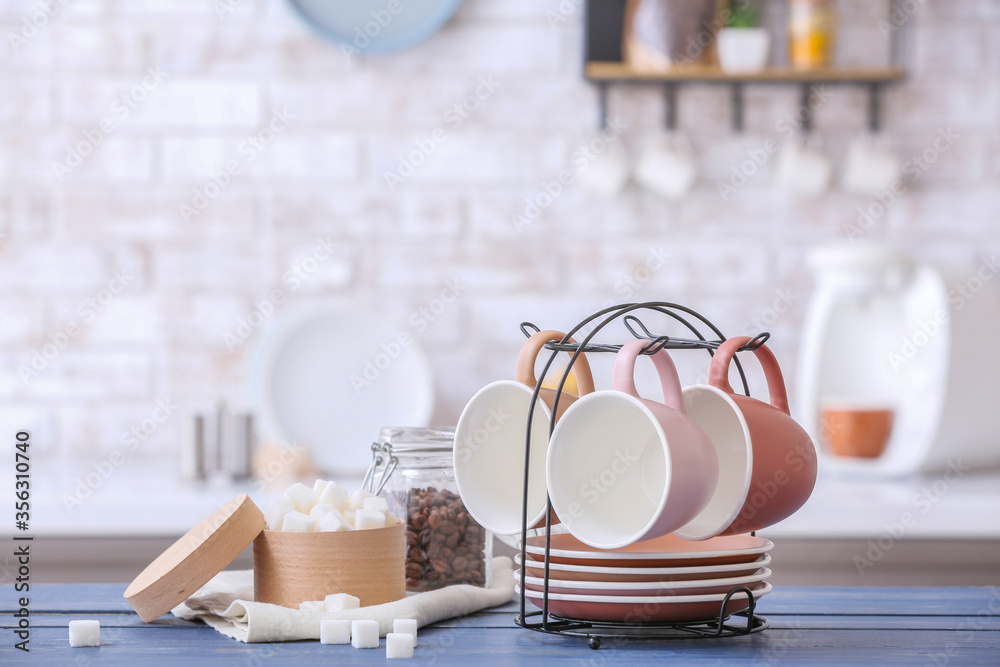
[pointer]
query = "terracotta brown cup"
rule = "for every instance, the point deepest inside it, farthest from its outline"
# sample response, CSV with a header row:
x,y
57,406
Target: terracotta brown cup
x,y
290,568
490,438
621,468
856,431
767,462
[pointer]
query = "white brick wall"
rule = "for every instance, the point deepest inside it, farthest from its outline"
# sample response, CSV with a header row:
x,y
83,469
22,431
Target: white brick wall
x,y
323,176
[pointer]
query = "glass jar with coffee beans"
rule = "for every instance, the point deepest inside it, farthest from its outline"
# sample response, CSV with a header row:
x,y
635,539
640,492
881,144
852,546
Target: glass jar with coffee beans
x,y
444,545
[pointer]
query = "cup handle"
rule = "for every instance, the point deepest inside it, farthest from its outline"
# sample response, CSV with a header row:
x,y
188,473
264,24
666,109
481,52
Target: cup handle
x,y
623,375
718,372
525,371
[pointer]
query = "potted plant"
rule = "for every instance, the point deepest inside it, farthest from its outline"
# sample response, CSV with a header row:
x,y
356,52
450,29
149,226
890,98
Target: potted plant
x,y
743,46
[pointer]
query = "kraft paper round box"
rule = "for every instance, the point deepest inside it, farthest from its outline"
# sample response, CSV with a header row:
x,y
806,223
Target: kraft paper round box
x,y
289,568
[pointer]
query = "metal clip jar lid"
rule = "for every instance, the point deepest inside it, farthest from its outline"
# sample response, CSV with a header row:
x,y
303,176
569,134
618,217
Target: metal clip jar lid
x,y
406,442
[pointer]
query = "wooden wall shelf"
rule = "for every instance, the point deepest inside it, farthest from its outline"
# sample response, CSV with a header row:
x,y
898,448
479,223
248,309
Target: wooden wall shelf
x,y
604,26
621,72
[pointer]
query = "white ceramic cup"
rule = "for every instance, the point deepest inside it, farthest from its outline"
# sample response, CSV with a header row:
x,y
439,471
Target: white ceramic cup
x,y
490,439
666,166
605,172
870,166
802,169
622,469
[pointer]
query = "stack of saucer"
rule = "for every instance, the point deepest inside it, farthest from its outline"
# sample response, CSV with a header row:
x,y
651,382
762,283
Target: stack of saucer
x,y
666,580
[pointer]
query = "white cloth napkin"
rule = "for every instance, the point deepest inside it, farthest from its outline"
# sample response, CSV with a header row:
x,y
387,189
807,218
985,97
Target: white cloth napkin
x,y
226,604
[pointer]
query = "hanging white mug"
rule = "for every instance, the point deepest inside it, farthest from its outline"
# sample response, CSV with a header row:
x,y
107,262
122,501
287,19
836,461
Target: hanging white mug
x,y
667,166
803,169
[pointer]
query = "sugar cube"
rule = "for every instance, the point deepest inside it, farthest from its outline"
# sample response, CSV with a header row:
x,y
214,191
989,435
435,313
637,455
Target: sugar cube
x,y
301,496
84,633
377,504
365,519
318,487
341,602
334,494
312,605
297,522
276,511
364,634
320,511
348,515
333,522
398,645
406,626
357,499
334,632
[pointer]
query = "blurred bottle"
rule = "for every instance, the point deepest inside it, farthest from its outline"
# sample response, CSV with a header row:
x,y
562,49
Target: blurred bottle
x,y
811,28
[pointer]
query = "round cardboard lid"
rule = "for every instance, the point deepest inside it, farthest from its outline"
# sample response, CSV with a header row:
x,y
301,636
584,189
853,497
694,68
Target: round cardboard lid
x,y
191,561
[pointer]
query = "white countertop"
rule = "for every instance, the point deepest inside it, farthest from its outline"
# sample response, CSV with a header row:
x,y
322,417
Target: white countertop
x,y
152,502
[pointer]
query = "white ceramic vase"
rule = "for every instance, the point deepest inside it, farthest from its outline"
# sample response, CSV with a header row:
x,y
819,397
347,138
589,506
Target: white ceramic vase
x,y
743,50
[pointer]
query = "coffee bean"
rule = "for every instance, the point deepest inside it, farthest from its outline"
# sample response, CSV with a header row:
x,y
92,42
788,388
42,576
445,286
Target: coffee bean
x,y
444,545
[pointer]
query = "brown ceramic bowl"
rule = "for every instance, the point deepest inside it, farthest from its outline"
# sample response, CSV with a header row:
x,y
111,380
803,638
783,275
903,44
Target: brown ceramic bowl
x,y
856,431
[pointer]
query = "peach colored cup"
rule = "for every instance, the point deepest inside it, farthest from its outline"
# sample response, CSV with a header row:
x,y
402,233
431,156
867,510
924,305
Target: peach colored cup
x,y
856,430
767,462
622,468
489,442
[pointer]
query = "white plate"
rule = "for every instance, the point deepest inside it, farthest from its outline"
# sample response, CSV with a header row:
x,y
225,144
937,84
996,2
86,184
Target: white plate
x,y
371,26
645,588
646,574
662,609
308,383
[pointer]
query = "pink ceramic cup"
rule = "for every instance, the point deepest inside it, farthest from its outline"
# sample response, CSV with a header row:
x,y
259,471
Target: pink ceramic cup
x,y
621,469
767,462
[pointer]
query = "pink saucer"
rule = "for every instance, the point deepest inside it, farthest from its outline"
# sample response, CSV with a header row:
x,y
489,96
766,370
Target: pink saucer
x,y
667,551
669,609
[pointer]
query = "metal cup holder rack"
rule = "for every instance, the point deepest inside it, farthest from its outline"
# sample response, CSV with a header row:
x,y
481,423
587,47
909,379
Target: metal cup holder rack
x,y
726,625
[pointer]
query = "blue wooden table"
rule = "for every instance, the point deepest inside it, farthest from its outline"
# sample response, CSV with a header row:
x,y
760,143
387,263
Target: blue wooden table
x,y
928,626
